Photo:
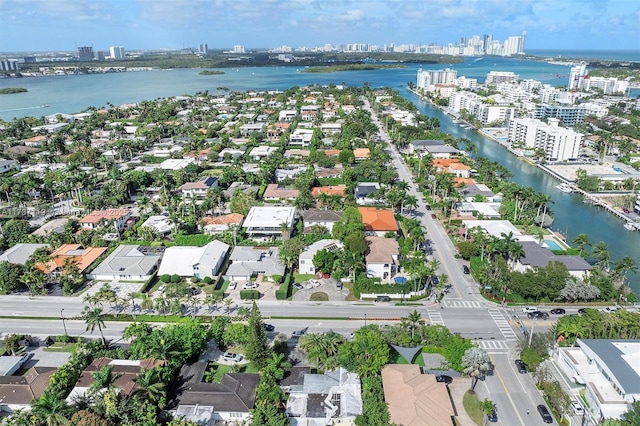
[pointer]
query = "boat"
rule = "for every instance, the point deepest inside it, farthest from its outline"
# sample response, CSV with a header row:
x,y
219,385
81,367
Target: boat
x,y
631,226
564,187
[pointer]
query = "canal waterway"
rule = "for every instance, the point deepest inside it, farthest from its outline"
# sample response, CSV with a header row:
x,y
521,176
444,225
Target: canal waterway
x,y
70,94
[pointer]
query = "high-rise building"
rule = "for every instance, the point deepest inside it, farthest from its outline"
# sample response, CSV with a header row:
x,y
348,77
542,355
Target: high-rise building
x,y
85,53
238,49
496,77
577,76
9,65
203,49
429,78
116,52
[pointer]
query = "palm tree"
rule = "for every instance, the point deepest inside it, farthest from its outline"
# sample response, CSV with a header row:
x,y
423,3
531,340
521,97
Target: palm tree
x,y
103,379
51,409
414,318
476,363
582,240
600,253
149,385
95,318
622,268
227,303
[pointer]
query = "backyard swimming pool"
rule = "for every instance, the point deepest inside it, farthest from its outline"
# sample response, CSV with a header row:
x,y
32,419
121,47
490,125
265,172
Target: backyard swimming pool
x,y
553,245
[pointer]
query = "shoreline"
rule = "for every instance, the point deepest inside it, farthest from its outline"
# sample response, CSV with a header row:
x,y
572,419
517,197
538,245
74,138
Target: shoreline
x,y
588,198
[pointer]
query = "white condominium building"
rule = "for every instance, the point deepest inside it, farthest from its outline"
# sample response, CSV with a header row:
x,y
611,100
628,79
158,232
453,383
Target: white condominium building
x,y
558,143
495,77
577,77
428,79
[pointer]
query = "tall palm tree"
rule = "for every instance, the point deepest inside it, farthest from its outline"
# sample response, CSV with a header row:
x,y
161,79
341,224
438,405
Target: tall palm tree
x,y
103,378
476,363
94,317
581,240
600,253
149,385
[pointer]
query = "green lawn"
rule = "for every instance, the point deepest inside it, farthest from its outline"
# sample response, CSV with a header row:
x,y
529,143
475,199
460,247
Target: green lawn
x,y
220,370
319,296
62,347
472,407
299,278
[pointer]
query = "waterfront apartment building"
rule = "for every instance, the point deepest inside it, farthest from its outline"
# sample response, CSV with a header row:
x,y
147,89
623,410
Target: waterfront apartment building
x,y
496,77
463,100
558,143
428,79
9,65
577,76
569,115
609,86
494,113
116,52
85,53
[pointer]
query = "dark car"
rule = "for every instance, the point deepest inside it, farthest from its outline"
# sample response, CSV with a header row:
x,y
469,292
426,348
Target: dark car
x,y
558,311
269,327
520,365
299,333
435,280
465,269
493,417
444,379
298,286
433,216
195,291
544,413
538,315
383,299
582,310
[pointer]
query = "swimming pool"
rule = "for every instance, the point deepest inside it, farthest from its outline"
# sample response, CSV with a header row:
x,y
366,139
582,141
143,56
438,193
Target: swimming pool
x,y
553,245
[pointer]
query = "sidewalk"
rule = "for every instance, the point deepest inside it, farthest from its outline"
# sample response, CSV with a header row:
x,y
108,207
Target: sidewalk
x,y
457,389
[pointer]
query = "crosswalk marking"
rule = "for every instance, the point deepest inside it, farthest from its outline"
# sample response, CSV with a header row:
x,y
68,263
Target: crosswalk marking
x,y
502,324
435,317
467,304
492,345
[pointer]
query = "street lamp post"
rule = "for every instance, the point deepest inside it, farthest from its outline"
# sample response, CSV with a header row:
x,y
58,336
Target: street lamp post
x,y
63,323
365,320
533,324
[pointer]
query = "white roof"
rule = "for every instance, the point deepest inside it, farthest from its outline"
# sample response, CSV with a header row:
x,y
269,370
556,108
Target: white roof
x,y
492,227
160,223
269,216
181,259
176,163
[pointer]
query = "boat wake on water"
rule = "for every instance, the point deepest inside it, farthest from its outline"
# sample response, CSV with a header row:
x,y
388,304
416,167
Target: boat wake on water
x,y
25,108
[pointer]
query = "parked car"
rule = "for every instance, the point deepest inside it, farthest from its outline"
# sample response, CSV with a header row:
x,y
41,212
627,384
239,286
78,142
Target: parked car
x,y
383,299
493,417
231,357
232,285
558,311
582,310
298,333
520,365
339,285
269,327
444,379
298,286
249,285
435,280
577,408
433,216
162,288
195,291
528,309
544,413
609,309
315,283
465,269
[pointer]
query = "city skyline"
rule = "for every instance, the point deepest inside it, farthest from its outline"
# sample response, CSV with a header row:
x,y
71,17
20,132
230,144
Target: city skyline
x,y
63,26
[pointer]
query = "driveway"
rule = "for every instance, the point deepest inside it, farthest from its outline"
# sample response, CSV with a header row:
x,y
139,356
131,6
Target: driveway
x,y
327,285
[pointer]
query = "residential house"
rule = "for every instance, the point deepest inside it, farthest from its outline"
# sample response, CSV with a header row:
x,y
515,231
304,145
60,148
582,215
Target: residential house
x,y
247,262
361,154
460,170
605,372
220,224
20,253
128,263
250,190
287,115
200,188
274,131
330,129
381,257
35,142
297,153
230,154
73,253
329,172
477,192
305,260
124,370
290,172
275,192
269,222
416,399
229,402
98,218
334,397
301,137
437,148
378,222
318,217
8,165
160,224
191,261
176,163
330,190
366,193
309,113
249,128
262,152
17,392
537,256
485,210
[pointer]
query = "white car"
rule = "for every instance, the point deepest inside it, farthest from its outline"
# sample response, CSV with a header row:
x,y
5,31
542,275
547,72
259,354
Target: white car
x,y
232,285
577,408
249,286
231,357
162,288
609,309
529,309
315,283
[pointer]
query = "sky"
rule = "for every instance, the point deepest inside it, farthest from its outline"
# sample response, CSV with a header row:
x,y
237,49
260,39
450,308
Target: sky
x,y
61,25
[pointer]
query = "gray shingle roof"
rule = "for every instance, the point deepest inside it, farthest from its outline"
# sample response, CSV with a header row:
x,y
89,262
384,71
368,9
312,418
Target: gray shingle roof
x,y
611,355
537,256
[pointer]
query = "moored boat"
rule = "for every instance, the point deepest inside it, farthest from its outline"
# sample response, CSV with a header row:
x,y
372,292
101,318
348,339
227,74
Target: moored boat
x,y
564,187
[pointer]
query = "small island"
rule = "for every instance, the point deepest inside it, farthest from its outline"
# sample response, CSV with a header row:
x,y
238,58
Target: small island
x,y
210,72
353,67
10,90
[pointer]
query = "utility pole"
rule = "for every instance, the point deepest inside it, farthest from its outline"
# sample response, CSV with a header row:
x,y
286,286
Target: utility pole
x,y
63,323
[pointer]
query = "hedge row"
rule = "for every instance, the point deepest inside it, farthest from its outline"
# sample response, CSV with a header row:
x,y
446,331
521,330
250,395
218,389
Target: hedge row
x,y
284,291
249,294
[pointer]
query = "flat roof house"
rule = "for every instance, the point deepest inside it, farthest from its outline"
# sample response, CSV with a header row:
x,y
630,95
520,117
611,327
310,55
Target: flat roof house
x,y
607,370
191,261
365,193
269,222
128,263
